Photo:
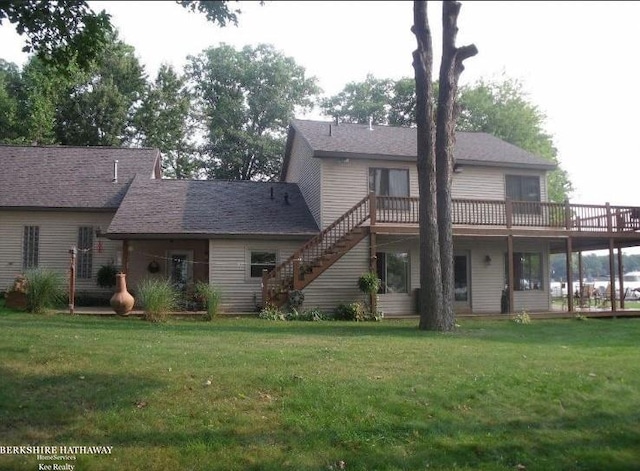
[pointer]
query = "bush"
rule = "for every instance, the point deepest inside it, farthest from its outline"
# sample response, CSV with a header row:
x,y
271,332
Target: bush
x,y
272,313
522,318
350,312
44,290
210,298
157,299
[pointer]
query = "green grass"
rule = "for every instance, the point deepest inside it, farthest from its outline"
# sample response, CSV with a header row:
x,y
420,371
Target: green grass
x,y
250,394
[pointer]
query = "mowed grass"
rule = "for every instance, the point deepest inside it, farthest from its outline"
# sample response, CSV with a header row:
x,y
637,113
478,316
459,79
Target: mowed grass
x,y
249,394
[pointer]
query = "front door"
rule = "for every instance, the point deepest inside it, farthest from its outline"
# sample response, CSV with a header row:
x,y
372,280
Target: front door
x,y
462,293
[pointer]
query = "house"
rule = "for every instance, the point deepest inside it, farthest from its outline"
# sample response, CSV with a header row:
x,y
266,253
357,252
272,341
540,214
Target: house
x,y
347,203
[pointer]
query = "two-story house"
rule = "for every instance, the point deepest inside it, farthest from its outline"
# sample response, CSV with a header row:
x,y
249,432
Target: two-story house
x,y
347,203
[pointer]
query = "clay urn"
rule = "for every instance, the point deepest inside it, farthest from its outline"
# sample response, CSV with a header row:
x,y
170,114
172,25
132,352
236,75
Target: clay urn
x,y
121,301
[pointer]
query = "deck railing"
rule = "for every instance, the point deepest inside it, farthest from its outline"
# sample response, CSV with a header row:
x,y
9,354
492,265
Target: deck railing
x,y
507,213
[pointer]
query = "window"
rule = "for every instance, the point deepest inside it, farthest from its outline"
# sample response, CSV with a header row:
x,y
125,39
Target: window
x,y
262,260
523,188
30,244
84,261
393,270
389,182
527,271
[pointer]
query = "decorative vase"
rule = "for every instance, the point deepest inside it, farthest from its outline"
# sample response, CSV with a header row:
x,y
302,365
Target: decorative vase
x,y
121,301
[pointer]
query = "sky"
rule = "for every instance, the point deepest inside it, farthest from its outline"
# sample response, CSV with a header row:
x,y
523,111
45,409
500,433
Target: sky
x,y
575,60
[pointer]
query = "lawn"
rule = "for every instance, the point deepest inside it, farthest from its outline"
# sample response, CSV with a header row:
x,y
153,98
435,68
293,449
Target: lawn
x,y
250,394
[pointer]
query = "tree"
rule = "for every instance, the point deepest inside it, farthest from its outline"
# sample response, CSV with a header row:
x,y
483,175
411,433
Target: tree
x,y
435,161
163,121
360,102
215,11
245,99
10,82
502,108
60,31
97,108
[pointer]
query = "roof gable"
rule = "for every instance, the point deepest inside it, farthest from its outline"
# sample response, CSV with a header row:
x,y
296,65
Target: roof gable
x,y
60,177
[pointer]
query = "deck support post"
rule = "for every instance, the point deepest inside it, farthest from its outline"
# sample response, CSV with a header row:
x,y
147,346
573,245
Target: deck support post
x,y
570,306
612,276
510,275
620,277
580,280
373,267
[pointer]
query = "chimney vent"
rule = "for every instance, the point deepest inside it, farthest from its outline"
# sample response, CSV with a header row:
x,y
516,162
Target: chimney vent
x,y
115,171
370,123
271,192
286,198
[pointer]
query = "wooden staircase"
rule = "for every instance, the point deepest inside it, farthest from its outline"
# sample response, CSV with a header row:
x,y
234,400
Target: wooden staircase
x,y
318,254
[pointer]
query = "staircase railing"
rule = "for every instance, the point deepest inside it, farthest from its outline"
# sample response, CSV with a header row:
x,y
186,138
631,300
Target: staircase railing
x,y
289,274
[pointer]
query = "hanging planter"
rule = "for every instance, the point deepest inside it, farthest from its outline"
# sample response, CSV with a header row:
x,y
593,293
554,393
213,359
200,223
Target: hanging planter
x,y
153,267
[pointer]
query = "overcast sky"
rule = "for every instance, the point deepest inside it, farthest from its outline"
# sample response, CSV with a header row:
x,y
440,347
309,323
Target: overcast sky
x,y
576,60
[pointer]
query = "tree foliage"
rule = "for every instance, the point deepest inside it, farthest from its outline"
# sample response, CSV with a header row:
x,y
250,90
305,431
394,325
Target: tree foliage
x,y
163,121
245,100
59,31
215,11
97,107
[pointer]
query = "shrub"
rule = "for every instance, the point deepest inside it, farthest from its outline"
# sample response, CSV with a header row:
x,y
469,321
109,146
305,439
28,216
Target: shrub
x,y
157,298
210,298
107,276
296,298
44,290
272,313
350,312
522,318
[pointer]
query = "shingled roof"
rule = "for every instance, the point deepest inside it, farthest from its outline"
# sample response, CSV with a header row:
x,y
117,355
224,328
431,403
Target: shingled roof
x,y
204,208
70,178
328,139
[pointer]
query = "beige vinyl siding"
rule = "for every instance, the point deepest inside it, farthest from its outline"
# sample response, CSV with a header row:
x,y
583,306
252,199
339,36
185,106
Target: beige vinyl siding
x,y
346,183
229,262
489,182
305,170
394,304
488,279
58,233
339,284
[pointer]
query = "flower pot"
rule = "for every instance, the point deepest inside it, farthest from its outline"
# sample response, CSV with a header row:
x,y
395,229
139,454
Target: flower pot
x,y
121,301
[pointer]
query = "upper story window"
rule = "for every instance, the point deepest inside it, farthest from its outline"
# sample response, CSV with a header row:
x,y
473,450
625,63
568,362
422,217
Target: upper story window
x,y
30,246
389,181
525,188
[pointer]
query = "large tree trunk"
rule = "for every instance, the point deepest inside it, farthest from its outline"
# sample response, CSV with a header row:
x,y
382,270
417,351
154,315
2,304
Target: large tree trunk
x,y
431,298
450,70
435,163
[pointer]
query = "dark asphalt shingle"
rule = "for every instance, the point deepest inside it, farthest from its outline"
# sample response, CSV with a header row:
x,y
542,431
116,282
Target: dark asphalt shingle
x,y
60,177
327,139
200,208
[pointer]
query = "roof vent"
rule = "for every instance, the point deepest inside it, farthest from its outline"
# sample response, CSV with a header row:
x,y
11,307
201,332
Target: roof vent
x,y
115,171
370,123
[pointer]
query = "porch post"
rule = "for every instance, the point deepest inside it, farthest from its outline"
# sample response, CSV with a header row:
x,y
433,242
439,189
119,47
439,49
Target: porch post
x,y
373,208
612,277
569,274
620,277
510,275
